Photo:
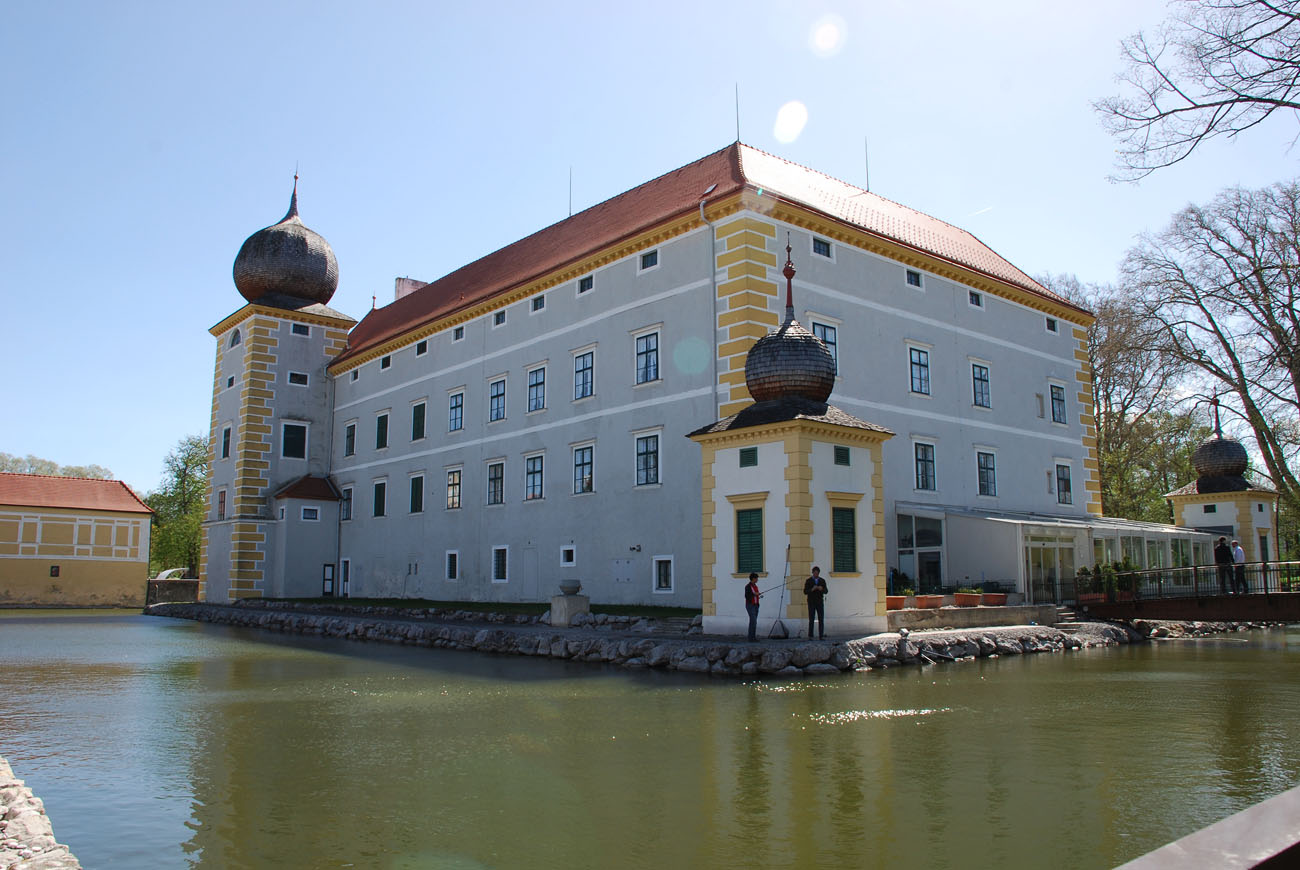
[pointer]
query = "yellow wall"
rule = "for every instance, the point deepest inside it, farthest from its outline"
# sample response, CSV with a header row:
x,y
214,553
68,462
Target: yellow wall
x,y
102,557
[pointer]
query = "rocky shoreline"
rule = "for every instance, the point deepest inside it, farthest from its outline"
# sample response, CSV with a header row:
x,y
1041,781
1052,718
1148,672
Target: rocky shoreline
x,y
26,836
630,642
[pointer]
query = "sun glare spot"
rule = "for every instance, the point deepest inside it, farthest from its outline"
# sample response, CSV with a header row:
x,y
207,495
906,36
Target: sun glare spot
x,y
790,121
827,36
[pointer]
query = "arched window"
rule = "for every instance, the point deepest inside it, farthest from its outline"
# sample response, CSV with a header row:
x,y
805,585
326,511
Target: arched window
x,y
234,338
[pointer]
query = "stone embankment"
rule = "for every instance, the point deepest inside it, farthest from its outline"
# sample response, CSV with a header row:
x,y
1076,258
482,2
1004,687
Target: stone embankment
x,y
26,837
646,643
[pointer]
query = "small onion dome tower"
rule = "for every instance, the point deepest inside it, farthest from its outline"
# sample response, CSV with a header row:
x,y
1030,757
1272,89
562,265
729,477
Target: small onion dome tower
x,y
790,362
1220,462
287,259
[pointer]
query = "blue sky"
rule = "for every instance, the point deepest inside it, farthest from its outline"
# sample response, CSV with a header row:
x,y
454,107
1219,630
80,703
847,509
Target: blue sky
x,y
143,142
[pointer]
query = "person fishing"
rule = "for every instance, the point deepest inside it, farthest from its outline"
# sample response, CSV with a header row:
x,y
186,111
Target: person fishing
x,y
751,604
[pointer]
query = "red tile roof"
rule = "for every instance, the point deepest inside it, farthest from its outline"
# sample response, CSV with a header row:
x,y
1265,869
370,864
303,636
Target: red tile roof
x,y
78,493
670,196
311,488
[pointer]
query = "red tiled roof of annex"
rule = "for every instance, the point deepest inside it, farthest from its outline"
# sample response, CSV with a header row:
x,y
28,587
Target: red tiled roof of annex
x,y
311,488
728,171
76,493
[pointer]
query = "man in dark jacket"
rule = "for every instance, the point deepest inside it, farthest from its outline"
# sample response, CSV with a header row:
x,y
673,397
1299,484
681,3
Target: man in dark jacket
x,y
1223,560
815,588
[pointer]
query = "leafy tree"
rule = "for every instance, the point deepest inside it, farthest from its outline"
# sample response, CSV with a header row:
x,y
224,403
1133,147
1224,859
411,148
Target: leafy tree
x,y
1215,68
179,506
1219,290
35,465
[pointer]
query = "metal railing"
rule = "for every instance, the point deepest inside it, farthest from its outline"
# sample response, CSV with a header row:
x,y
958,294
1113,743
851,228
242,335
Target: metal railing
x,y
1201,581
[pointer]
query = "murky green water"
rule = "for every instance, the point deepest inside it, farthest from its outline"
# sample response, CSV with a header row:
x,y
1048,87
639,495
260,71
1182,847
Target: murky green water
x,y
161,743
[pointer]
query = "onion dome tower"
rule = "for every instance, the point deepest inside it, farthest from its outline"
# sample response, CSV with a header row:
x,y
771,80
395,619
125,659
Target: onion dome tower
x,y
287,259
790,362
1220,462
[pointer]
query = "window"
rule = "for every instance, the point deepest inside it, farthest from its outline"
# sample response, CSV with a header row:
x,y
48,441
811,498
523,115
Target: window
x,y
583,469
979,376
453,489
458,333
225,442
496,483
749,540
647,460
421,348
1210,509
417,493
381,498
311,514
298,379
924,465
920,551
584,284
221,504
821,247
385,362
1058,404
345,504
841,455
497,400
356,373
844,540
417,421
663,573
1063,493
235,338
919,361
1051,324
453,565
230,382
455,412
300,329
498,319
568,556
748,457
381,431
649,260
539,302
350,439
976,299
534,467
500,564
827,335
293,441
913,278
584,375
647,357
537,390
986,471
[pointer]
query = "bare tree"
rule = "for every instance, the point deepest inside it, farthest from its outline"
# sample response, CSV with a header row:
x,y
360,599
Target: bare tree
x,y
1215,68
1219,289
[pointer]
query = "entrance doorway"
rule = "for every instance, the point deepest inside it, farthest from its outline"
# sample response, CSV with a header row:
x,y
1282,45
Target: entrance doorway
x,y
1048,562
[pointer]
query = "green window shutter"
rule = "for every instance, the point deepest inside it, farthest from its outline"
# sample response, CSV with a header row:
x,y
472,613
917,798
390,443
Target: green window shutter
x,y
844,540
748,457
841,455
749,540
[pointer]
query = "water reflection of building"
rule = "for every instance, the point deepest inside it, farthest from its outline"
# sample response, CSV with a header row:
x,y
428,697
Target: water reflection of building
x,y
519,421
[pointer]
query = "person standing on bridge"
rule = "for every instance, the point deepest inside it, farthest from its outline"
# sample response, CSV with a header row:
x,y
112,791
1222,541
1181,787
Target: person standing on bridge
x,y
1223,561
1238,569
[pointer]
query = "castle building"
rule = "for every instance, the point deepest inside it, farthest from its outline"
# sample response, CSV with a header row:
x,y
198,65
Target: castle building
x,y
523,420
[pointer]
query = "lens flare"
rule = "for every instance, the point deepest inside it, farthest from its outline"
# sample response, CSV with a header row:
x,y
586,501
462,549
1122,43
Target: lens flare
x,y
790,121
827,36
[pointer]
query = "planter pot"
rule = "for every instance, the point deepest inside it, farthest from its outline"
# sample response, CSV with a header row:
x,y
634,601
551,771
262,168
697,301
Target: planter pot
x,y
1090,597
926,602
1124,595
966,599
894,602
994,599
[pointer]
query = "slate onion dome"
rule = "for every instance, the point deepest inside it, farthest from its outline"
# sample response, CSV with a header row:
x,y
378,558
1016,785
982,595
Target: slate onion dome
x,y
790,362
1219,456
287,258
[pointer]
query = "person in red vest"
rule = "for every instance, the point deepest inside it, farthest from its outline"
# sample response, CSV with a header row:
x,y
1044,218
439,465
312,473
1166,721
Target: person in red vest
x,y
751,604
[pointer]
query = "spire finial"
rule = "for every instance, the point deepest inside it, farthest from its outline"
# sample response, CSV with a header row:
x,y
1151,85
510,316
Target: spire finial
x,y
293,200
1218,430
788,272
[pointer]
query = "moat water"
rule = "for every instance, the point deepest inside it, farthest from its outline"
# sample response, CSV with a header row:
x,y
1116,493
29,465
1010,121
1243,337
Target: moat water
x,y
161,743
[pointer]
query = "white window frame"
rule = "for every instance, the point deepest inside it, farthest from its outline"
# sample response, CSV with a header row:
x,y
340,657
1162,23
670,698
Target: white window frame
x,y
306,439
356,373
830,247
641,268
573,455
487,481
451,576
295,327
925,348
315,518
920,279
933,444
227,441
637,335
572,550
422,347
658,432
990,451
351,424
529,457
458,333
505,398
424,400
451,394
589,280
975,299
373,483
410,484
1057,464
348,497
385,362
578,354
1052,325
236,339
388,428
528,384
458,470
221,504
816,321
988,370
534,307
502,548
1065,403
498,318
654,574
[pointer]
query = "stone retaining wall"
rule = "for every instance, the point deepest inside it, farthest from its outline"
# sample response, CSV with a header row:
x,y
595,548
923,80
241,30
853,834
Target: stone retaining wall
x,y
621,645
26,837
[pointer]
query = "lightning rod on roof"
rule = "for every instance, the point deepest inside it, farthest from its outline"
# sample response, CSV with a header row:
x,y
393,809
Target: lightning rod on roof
x,y
570,191
737,111
866,158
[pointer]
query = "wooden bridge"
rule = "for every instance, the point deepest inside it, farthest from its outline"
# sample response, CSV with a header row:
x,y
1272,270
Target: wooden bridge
x,y
1255,592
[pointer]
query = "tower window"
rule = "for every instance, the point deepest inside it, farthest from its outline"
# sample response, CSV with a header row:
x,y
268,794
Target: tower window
x,y
235,338
300,329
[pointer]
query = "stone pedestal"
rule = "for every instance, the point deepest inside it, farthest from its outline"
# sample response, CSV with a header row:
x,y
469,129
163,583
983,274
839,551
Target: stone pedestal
x,y
565,607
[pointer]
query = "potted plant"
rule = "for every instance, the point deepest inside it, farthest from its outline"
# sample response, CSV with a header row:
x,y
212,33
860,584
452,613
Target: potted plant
x,y
967,596
1088,586
926,602
993,596
898,600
